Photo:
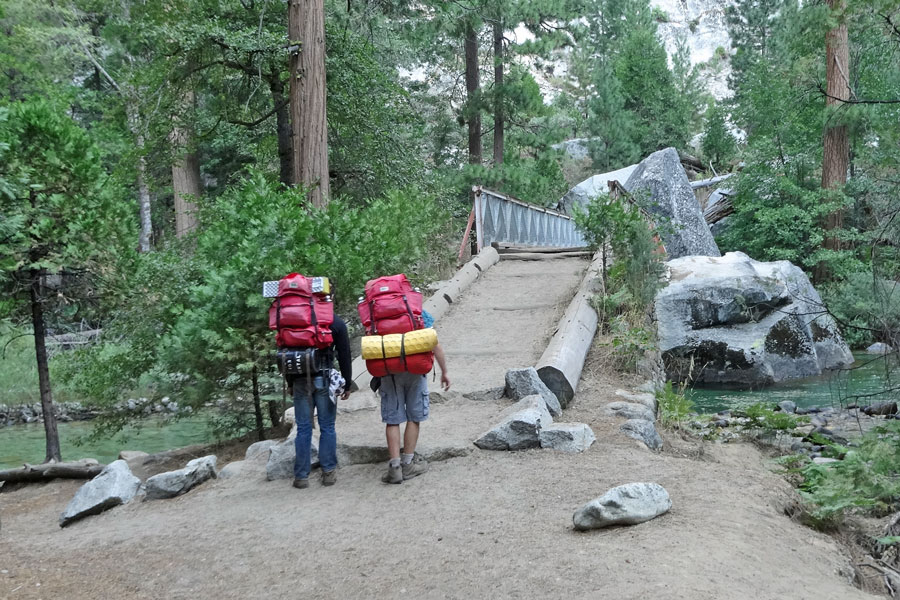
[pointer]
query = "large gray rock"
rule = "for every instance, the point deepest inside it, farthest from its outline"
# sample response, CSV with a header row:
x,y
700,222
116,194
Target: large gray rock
x,y
735,321
281,459
644,431
660,185
879,348
577,149
526,382
175,483
567,437
630,410
258,449
627,504
519,428
590,188
113,486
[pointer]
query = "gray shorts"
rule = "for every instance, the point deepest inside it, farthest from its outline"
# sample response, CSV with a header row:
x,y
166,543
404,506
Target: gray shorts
x,y
404,397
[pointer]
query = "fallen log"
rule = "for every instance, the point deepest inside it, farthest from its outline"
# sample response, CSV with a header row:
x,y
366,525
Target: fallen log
x,y
536,249
82,469
561,363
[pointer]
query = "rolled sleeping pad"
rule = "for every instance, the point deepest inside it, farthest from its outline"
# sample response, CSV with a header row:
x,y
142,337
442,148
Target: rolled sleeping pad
x,y
393,345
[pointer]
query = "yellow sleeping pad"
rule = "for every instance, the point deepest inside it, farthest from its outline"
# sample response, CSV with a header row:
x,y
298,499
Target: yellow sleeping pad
x,y
414,342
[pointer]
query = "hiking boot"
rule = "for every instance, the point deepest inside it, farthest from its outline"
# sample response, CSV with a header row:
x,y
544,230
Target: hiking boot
x,y
301,484
393,475
414,469
329,477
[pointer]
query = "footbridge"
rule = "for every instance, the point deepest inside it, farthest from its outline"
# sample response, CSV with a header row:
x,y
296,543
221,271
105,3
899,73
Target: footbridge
x,y
521,301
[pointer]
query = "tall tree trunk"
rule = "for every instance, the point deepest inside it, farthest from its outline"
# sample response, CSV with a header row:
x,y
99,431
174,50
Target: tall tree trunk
x,y
306,26
498,92
836,141
40,350
282,130
257,406
134,124
473,107
185,172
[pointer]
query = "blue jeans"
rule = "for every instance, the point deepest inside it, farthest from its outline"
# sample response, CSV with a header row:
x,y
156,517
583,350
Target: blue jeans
x,y
303,415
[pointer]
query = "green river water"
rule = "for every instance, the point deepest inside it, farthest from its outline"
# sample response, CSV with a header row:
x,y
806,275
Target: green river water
x,y
25,443
867,376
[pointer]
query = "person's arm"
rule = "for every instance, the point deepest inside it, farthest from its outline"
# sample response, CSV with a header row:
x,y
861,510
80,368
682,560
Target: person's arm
x,y
342,346
442,363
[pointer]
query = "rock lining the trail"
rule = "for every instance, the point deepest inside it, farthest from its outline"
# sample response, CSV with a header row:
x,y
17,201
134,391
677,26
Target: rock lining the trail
x,y
520,426
114,485
526,382
643,431
282,456
567,437
627,504
176,483
631,410
645,398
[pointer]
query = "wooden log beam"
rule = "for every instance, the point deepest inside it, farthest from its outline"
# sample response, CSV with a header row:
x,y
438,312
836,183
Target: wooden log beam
x,y
702,183
503,250
437,305
561,363
546,256
86,469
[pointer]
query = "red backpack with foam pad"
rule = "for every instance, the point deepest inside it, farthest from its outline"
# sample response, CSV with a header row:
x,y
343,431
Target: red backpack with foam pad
x,y
391,305
302,313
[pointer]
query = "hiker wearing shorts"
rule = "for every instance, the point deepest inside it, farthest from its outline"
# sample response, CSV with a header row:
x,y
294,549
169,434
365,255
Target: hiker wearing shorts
x,y
404,399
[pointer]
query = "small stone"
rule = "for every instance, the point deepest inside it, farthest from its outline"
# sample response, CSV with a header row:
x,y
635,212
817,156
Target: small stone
x,y
132,454
821,460
627,504
788,406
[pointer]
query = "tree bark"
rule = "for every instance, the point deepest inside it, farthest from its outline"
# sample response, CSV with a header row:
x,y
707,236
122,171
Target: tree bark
x,y
186,184
134,124
306,26
472,95
40,349
257,406
283,130
498,92
836,140
29,473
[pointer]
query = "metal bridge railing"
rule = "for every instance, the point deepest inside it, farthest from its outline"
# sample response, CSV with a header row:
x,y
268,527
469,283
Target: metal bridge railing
x,y
505,220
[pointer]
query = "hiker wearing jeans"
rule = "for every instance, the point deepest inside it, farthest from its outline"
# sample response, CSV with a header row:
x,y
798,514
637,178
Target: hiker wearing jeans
x,y
404,399
315,392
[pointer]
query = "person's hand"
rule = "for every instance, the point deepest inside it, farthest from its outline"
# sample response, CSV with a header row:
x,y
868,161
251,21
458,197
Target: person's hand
x,y
346,394
445,382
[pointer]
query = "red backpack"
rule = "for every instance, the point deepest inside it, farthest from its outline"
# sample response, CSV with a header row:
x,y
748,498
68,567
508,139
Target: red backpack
x,y
302,313
391,305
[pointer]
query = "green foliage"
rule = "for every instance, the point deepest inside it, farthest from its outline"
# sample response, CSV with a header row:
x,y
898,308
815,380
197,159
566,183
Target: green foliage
x,y
764,417
675,407
867,308
718,143
867,479
18,370
659,15
210,317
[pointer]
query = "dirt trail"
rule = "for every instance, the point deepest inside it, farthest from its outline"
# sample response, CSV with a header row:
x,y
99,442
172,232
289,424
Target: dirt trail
x,y
488,524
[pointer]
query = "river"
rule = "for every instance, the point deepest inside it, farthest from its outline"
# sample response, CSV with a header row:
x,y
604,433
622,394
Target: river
x,y
26,443
868,376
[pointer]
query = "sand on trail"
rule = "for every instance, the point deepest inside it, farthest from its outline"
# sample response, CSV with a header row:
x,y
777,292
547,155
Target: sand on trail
x,y
484,525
